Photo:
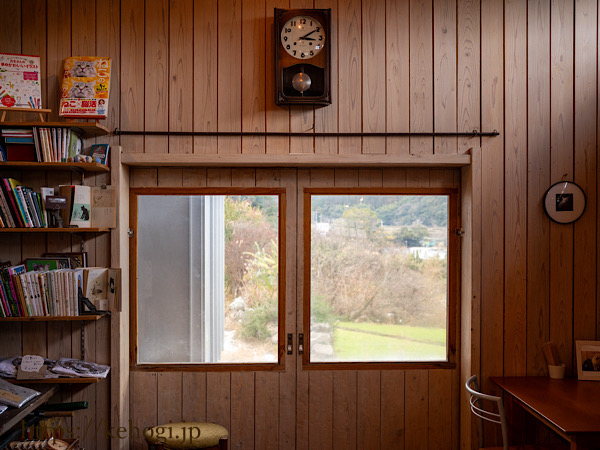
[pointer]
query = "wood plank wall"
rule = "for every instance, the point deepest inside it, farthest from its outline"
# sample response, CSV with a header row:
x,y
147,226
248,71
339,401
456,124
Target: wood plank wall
x,y
527,68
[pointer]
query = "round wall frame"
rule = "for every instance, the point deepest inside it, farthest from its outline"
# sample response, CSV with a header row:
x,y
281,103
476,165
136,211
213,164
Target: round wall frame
x,y
564,202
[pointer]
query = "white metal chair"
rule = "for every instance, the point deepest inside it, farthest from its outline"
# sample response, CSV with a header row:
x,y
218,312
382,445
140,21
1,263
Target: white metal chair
x,y
476,401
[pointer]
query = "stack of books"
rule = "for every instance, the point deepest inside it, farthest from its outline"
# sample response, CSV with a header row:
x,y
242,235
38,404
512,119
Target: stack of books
x,y
21,206
40,144
19,145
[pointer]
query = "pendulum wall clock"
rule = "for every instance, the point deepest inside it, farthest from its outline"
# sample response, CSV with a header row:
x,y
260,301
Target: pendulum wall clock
x,y
303,56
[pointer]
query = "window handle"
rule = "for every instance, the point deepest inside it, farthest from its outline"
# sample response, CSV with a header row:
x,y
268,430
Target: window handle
x,y
290,344
301,343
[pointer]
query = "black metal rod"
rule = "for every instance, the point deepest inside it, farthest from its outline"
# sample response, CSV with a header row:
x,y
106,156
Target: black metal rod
x,y
473,133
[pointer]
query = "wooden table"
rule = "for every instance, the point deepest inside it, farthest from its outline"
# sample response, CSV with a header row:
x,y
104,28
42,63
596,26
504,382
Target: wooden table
x,y
568,406
13,416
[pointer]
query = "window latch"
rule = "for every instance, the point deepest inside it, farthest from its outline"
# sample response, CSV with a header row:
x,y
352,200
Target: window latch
x,y
290,343
460,232
130,232
301,343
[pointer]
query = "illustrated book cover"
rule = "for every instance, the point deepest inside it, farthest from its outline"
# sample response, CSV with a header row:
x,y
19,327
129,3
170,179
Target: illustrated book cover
x,y
20,81
85,87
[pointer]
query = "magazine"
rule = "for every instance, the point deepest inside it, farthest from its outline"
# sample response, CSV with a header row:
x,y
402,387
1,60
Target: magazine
x,y
13,395
85,87
70,367
20,81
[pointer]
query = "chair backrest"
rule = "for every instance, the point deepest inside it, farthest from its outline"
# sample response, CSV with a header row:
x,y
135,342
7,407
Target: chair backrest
x,y
477,401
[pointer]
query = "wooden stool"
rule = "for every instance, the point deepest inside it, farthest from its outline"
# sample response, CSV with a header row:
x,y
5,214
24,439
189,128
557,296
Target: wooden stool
x,y
186,435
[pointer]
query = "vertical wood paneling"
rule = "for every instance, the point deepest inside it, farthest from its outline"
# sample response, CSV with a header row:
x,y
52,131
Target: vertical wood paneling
x,y
538,166
440,403
344,410
585,159
326,118
194,393
277,117
444,67
169,399
561,168
373,59
392,409
492,208
34,35
205,74
241,431
229,73
253,80
10,27
349,70
83,29
156,75
218,398
515,180
180,75
368,411
302,117
58,48
132,92
143,406
416,401
397,75
421,74
320,410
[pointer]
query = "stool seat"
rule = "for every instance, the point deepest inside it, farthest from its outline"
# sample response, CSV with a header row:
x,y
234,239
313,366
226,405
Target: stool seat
x,y
186,435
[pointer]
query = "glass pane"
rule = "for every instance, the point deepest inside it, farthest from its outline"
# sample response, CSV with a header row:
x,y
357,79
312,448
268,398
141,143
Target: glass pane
x,y
378,278
208,278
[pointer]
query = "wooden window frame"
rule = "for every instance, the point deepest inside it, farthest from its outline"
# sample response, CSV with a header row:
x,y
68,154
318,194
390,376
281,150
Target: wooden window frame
x,y
453,287
134,193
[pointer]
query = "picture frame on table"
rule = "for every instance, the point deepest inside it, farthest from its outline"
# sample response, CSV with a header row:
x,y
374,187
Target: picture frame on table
x,y
588,360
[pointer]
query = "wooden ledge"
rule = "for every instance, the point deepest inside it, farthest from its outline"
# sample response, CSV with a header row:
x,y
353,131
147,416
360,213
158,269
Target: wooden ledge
x,y
293,160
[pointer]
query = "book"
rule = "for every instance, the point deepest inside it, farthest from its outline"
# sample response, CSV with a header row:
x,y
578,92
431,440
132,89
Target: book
x,y
15,395
11,200
77,260
33,264
104,206
95,286
82,206
78,368
20,81
75,145
99,153
23,152
85,87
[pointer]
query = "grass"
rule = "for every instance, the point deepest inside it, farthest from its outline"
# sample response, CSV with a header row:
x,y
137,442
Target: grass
x,y
376,342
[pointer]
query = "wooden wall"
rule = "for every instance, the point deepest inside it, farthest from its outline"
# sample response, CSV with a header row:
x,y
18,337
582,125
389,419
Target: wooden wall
x,y
527,68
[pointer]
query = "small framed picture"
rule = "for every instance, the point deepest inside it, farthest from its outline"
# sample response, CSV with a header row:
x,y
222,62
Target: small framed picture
x,y
564,202
588,360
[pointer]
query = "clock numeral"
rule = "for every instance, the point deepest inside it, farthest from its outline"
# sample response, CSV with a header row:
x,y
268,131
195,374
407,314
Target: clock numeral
x,y
288,30
320,37
294,52
288,46
312,53
303,21
285,38
293,22
302,55
318,29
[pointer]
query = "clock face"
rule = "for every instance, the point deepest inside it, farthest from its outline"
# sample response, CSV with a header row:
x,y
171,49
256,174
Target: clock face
x,y
303,37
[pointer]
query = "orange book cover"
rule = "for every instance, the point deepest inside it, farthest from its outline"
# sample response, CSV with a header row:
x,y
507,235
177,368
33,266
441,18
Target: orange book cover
x,y
85,87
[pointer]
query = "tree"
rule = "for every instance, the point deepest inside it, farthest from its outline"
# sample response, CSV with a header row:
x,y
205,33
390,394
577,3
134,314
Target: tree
x,y
413,235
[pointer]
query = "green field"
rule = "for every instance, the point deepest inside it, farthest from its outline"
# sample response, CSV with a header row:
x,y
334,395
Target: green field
x,y
377,342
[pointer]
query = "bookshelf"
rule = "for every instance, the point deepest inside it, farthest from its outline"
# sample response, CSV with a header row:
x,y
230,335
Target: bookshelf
x,y
82,380
87,167
87,317
54,230
85,129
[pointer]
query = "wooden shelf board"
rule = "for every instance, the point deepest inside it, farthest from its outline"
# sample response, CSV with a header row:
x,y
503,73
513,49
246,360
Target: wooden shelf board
x,y
13,416
295,160
81,380
88,167
52,318
88,129
54,230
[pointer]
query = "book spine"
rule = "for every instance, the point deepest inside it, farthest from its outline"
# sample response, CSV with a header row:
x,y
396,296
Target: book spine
x,y
36,143
21,296
13,203
11,293
5,306
6,209
30,207
23,206
43,293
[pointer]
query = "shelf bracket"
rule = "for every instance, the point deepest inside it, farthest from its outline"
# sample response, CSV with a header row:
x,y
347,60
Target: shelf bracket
x,y
79,172
82,340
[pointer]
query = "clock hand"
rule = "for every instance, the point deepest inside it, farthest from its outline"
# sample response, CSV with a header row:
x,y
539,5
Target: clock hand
x,y
308,34
305,39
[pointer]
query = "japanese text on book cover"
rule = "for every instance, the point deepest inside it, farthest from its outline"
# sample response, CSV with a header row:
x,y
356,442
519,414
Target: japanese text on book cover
x,y
20,81
85,86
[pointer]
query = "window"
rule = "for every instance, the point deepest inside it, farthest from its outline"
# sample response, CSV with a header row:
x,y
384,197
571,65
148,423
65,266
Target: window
x,y
208,283
380,276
